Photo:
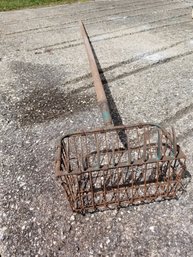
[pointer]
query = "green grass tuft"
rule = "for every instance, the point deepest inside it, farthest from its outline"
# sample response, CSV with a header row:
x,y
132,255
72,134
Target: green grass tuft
x,y
6,5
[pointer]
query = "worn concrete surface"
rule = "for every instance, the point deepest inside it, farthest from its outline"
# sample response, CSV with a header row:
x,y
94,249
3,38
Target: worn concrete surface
x,y
145,49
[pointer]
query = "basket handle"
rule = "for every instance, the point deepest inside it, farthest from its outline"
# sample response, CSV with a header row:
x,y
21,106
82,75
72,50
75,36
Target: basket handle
x,y
101,96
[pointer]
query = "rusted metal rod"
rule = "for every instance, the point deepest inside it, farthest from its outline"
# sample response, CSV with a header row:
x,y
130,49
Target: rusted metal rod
x,y
101,97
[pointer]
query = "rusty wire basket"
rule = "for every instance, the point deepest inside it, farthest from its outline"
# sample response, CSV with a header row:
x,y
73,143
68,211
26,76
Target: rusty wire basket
x,y
114,167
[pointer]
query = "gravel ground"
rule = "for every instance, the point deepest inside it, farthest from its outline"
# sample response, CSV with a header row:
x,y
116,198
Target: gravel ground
x,y
145,49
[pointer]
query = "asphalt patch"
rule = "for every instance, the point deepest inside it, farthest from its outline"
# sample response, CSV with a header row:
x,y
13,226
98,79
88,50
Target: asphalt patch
x,y
42,96
41,105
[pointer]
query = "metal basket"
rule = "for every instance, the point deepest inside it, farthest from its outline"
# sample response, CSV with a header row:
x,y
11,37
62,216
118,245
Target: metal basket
x,y
119,166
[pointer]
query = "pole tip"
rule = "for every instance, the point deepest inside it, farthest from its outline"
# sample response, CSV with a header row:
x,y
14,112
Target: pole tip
x,y
81,23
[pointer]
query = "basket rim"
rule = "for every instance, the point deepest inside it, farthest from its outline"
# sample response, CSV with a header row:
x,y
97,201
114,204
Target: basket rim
x,y
59,172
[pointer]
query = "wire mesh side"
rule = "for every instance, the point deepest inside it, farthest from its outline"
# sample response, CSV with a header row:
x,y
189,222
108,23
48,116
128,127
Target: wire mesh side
x,y
122,186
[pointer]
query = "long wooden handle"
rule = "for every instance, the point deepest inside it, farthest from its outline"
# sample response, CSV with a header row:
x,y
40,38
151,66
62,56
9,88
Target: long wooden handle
x,y
101,96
